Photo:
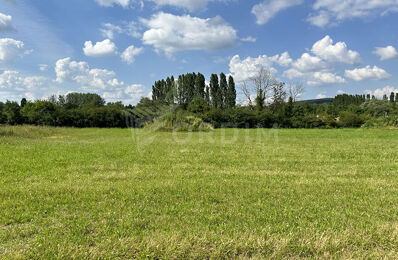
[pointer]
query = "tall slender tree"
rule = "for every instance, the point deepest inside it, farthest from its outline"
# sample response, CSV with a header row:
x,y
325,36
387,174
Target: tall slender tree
x,y
223,89
200,85
215,93
230,98
207,98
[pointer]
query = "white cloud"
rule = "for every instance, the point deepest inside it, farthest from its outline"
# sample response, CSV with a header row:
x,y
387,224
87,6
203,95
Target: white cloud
x,y
35,82
11,50
247,68
338,52
321,78
5,23
108,3
10,80
321,19
129,54
340,92
334,11
15,86
380,92
101,81
191,5
109,30
282,60
321,95
269,8
100,49
318,67
43,67
248,39
367,73
170,33
87,78
309,63
386,53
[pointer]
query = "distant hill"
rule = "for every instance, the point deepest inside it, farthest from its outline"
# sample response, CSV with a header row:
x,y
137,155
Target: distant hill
x,y
317,101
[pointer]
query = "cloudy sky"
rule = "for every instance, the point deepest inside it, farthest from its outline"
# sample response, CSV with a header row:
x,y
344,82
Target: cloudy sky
x,y
118,48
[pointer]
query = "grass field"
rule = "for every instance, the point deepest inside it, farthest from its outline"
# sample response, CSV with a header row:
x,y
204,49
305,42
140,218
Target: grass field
x,y
105,193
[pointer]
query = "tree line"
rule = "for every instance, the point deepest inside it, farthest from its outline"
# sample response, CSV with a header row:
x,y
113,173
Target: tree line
x,y
266,102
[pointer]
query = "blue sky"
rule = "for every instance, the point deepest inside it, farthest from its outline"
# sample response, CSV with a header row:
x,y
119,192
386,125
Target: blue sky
x,y
118,48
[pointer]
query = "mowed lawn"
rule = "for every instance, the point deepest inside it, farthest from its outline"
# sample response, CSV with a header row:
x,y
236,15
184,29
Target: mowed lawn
x,y
118,193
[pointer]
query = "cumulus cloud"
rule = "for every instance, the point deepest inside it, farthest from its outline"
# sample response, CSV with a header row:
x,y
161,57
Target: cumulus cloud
x,y
5,23
247,68
129,54
11,50
380,92
386,53
100,49
320,78
367,73
108,3
338,52
283,60
308,63
13,84
334,11
81,73
321,95
269,8
100,81
318,66
169,33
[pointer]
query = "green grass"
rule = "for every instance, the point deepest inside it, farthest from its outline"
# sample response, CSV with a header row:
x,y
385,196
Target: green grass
x,y
90,193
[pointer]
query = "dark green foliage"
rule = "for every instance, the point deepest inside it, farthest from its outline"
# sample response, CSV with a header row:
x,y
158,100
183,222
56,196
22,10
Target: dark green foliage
x,y
207,96
223,89
40,113
230,97
2,116
215,91
79,100
376,108
260,101
392,97
350,119
12,113
344,100
23,102
200,86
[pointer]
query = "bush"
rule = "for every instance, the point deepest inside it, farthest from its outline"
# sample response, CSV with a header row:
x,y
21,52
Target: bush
x,y
350,119
180,122
382,122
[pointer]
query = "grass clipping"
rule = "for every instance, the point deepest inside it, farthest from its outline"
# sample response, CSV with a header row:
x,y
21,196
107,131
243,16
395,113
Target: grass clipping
x,y
179,122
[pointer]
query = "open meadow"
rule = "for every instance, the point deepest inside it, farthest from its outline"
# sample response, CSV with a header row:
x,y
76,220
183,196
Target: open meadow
x,y
122,193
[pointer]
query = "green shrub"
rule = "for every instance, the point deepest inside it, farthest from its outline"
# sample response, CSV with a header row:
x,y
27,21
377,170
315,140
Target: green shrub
x,y
179,121
382,122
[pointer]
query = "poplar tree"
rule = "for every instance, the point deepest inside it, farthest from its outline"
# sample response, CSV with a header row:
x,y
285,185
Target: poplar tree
x,y
223,89
230,98
200,85
215,93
